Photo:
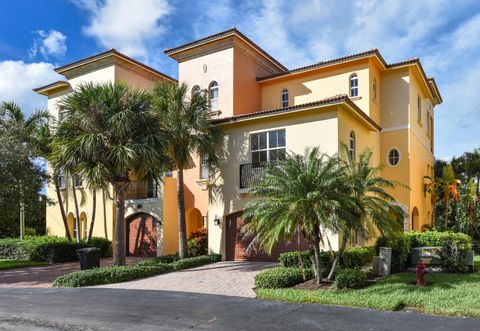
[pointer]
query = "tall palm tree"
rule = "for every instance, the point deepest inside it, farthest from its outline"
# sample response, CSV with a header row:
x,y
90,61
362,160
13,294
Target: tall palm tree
x,y
301,193
372,207
449,189
110,137
432,186
186,122
12,115
43,148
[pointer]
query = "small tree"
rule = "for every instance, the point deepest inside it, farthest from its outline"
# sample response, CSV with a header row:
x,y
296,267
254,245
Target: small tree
x,y
186,123
300,193
449,189
110,137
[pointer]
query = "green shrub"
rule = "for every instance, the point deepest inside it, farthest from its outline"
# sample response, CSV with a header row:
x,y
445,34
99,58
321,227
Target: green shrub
x,y
198,243
292,259
282,277
110,275
350,279
454,256
197,261
48,248
400,246
165,259
357,257
436,238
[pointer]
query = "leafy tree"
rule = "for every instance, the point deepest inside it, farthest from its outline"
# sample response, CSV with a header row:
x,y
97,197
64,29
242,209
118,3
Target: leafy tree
x,y
371,208
449,189
300,193
110,137
185,122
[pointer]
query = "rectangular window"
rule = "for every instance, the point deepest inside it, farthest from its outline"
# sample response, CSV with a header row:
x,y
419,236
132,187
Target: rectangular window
x,y
267,146
152,189
62,115
78,182
61,179
204,168
419,109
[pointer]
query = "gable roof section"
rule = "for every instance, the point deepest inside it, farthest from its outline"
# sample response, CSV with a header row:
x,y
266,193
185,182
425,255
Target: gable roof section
x,y
217,36
337,99
108,53
46,89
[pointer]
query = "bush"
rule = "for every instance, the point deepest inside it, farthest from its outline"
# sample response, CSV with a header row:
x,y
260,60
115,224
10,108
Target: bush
x,y
197,261
198,243
282,277
48,248
110,275
357,257
454,256
350,279
400,246
165,259
436,238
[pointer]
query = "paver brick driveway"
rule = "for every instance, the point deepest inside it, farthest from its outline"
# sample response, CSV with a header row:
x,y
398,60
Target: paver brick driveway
x,y
222,278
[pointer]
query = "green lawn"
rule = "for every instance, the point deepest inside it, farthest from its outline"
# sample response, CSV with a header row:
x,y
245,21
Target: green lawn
x,y
446,294
12,264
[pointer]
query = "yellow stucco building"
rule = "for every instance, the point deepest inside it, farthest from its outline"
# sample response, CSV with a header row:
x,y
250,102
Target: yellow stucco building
x,y
264,110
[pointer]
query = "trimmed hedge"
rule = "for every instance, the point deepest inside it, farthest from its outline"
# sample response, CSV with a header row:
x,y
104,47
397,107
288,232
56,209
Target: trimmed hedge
x,y
281,277
118,274
109,275
400,245
49,248
350,279
352,258
436,238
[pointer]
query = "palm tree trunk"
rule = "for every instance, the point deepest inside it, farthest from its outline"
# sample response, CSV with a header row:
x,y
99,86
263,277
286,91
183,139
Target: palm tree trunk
x,y
62,207
317,266
119,245
104,213
94,209
182,231
338,257
77,213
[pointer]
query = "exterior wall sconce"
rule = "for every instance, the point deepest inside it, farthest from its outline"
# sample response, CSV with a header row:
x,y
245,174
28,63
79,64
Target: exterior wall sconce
x,y
217,220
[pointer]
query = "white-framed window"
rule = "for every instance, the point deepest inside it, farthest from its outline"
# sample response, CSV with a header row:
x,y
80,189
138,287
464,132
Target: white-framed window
x,y
62,114
213,95
419,109
195,90
284,98
374,88
62,183
78,181
393,157
353,85
267,146
204,167
152,189
352,147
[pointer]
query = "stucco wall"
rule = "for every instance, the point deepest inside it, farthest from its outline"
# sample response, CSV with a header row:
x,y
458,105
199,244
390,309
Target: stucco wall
x,y
312,128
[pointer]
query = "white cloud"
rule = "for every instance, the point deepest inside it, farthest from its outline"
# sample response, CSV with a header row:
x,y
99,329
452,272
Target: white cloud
x,y
17,79
126,25
50,43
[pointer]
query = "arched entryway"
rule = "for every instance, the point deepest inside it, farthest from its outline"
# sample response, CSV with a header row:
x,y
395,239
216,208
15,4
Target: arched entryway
x,y
83,225
71,224
194,220
141,235
415,219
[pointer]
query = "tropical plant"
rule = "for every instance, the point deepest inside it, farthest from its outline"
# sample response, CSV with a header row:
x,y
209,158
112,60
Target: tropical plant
x,y
110,137
372,207
302,193
432,186
186,124
449,189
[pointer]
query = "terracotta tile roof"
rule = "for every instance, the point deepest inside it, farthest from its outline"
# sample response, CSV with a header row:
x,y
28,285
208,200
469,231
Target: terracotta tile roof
x,y
50,86
220,35
112,51
324,102
329,62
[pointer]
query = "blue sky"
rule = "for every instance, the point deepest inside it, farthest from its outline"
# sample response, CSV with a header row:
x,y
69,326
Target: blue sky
x,y
36,36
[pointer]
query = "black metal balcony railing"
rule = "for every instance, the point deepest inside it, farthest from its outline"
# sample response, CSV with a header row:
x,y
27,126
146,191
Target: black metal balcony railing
x,y
250,173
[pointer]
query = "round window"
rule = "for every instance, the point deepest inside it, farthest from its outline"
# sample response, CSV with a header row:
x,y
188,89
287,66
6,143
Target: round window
x,y
393,157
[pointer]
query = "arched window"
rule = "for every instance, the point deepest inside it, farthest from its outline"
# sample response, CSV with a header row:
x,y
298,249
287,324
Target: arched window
x,y
353,85
284,101
195,90
374,87
352,145
213,95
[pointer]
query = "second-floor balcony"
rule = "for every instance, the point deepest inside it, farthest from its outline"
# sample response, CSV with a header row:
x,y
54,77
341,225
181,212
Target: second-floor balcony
x,y
250,173
142,190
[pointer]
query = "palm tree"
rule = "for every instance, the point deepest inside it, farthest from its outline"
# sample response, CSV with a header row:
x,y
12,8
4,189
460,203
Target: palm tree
x,y
470,200
372,207
110,137
301,193
43,148
186,123
449,188
12,115
433,186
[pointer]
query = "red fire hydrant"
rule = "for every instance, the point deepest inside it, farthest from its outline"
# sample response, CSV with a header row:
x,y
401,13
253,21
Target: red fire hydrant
x,y
421,272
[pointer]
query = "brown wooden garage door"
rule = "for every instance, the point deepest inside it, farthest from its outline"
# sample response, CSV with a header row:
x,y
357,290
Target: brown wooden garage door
x,y
237,243
141,235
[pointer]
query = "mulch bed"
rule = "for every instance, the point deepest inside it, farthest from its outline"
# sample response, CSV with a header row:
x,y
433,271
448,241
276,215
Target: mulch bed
x,y
312,285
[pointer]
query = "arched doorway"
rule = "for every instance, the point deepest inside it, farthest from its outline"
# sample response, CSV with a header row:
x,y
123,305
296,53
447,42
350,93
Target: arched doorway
x,y
415,219
194,220
83,225
71,224
141,235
